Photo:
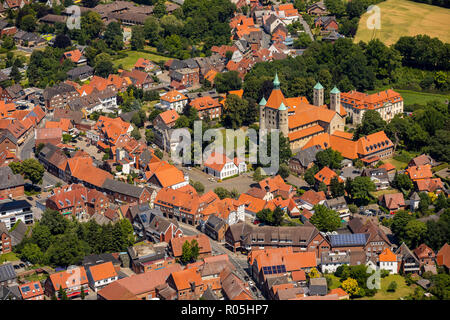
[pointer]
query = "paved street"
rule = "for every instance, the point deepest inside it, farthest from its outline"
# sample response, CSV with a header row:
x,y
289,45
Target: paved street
x,y
26,150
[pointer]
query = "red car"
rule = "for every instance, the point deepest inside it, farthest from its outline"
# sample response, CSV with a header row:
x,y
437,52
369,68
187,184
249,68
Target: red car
x,y
256,222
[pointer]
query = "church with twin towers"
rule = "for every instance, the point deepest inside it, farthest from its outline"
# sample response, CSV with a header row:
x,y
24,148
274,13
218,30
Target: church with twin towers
x,y
299,120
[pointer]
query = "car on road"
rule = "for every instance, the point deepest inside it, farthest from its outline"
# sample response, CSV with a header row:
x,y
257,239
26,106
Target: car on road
x,y
250,282
22,265
255,222
246,278
38,196
99,151
253,289
16,267
30,198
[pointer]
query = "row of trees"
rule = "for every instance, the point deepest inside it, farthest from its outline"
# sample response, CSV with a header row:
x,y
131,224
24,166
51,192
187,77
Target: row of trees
x,y
58,241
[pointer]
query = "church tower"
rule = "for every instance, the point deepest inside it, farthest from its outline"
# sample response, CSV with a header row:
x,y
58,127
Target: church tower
x,y
318,95
262,113
283,122
335,100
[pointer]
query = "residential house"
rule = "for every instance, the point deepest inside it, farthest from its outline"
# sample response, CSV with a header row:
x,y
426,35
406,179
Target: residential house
x,y
164,175
147,66
330,261
318,287
304,159
81,73
95,259
215,228
392,201
156,228
388,261
101,275
72,281
123,192
12,93
8,276
317,9
311,198
379,176
32,291
5,239
231,211
173,100
184,78
425,255
220,166
59,95
207,107
434,185
140,79
14,211
422,160
176,245
246,237
48,135
371,236
75,56
408,262
443,256
277,187
187,283
11,185
325,175
340,206
233,287
417,173
326,23
138,287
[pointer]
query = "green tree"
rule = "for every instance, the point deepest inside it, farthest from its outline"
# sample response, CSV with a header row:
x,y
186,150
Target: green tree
x,y
54,221
350,286
227,81
222,193
103,65
303,41
160,9
31,252
371,123
284,171
137,38
325,219
113,36
136,134
402,181
235,112
257,176
92,24
360,189
329,158
415,232
30,169
309,175
28,23
337,188
62,294
149,136
199,187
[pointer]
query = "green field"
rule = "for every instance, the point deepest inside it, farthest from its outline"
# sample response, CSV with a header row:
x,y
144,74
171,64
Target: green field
x,y
411,97
397,164
133,56
405,18
402,289
376,194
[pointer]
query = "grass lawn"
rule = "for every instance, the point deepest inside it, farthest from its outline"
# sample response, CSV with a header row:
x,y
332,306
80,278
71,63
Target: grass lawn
x,y
376,194
133,56
397,164
402,289
405,18
335,282
411,97
11,256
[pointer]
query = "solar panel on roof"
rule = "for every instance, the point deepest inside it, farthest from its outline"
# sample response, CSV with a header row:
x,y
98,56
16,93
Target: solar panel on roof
x,y
144,218
25,289
355,239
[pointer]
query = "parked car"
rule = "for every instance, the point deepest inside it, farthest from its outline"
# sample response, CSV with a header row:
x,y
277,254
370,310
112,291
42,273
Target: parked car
x,y
22,265
16,266
88,145
30,198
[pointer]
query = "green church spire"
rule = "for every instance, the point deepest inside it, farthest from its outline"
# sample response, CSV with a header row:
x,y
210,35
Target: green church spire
x,y
276,82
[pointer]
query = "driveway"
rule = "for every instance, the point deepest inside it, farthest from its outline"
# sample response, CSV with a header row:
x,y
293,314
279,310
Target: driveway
x,y
26,150
92,150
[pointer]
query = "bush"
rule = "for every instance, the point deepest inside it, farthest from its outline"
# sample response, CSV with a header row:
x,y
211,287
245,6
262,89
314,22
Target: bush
x,y
392,286
353,208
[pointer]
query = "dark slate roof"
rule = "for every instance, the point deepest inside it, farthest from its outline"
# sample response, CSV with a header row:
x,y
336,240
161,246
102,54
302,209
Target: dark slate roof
x,y
355,225
209,294
14,204
10,293
177,64
405,252
318,286
308,155
348,240
78,71
122,188
215,222
10,180
60,88
126,116
139,208
190,63
94,259
7,272
6,134
18,233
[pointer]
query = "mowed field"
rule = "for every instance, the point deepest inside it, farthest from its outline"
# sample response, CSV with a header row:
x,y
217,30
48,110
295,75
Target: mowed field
x,y
406,18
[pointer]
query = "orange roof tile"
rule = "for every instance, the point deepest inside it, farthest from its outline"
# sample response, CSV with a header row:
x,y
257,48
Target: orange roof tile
x,y
361,100
69,278
203,242
183,279
30,290
325,175
173,96
103,271
169,116
73,55
387,256
420,172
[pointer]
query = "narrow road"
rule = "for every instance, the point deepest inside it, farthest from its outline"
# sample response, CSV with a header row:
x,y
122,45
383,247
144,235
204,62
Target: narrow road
x,y
26,151
306,28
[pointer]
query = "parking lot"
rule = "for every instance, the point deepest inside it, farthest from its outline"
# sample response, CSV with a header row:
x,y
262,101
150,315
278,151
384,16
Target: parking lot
x,y
82,144
241,183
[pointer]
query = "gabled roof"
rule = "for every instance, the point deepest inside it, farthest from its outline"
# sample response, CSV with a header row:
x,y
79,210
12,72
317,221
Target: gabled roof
x,y
69,278
387,256
443,256
31,289
102,271
325,175
203,243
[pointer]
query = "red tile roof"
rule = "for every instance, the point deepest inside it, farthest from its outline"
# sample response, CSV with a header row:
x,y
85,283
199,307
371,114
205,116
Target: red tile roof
x,y
203,243
103,271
